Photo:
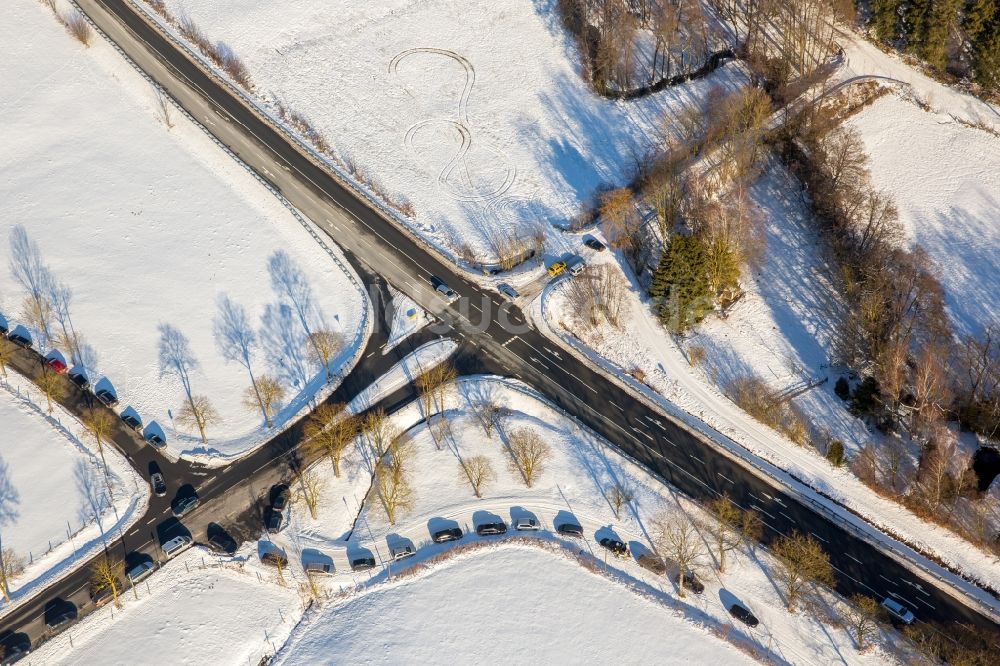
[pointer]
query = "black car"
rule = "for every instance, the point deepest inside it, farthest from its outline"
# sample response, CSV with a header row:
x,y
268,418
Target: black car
x,y
490,529
615,546
280,501
132,420
362,564
570,529
61,618
20,339
594,244
79,377
273,521
107,397
275,559
743,615
691,582
155,440
15,652
222,543
159,485
449,534
185,505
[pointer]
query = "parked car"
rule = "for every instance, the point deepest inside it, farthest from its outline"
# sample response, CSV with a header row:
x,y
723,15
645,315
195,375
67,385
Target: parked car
x,y
132,420
570,529
449,534
159,485
107,397
155,440
280,495
743,615
491,529
898,611
176,546
402,551
507,291
78,376
526,525
185,505
15,652
594,244
362,563
652,563
275,559
575,265
222,543
442,288
4,326
615,546
101,595
140,572
324,568
61,618
557,268
20,337
57,364
691,582
274,521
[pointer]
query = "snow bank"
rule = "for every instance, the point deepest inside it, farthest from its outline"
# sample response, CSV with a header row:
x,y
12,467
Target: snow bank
x,y
412,366
150,226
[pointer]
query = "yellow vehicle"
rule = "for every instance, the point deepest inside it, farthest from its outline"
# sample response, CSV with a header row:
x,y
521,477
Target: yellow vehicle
x,y
557,268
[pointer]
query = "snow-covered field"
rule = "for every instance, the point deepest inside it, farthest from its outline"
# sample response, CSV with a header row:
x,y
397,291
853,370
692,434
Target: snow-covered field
x,y
945,178
187,615
474,111
55,503
149,227
509,606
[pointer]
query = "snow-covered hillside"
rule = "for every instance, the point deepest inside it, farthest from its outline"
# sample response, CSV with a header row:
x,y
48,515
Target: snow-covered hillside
x,y
945,178
149,226
474,111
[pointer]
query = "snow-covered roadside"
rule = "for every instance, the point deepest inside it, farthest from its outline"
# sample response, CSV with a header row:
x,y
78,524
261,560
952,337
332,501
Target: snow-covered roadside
x,y
575,483
56,507
413,365
157,235
197,609
691,397
407,319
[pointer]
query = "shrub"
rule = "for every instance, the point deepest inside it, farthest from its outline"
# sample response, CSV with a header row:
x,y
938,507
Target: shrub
x,y
843,389
835,454
78,27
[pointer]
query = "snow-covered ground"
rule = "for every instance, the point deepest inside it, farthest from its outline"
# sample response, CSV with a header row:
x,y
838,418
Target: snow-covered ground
x,y
945,178
186,615
55,502
473,111
575,483
412,366
407,319
150,226
504,605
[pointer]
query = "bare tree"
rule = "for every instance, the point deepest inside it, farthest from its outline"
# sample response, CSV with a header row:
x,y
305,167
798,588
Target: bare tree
x,y
77,26
379,431
49,384
9,501
199,413
802,562
11,566
163,109
391,483
291,285
487,412
265,395
29,270
328,431
676,538
324,347
107,574
599,294
620,217
4,356
99,425
431,386
727,532
619,495
309,483
863,615
529,454
479,471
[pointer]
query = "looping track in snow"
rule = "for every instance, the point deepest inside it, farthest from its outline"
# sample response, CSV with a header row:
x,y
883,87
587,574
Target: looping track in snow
x,y
473,186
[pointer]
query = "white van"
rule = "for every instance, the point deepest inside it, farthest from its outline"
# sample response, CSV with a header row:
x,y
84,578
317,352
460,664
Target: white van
x,y
176,546
575,265
898,611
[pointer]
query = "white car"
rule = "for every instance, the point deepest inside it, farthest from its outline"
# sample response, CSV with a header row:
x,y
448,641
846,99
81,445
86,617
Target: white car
x,y
898,611
402,551
526,524
141,572
176,546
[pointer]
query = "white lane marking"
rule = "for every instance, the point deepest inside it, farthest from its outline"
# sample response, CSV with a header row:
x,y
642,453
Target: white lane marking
x,y
790,519
889,580
854,558
819,537
615,405
725,477
757,508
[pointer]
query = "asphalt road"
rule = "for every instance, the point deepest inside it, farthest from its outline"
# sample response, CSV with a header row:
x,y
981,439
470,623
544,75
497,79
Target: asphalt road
x,y
495,338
